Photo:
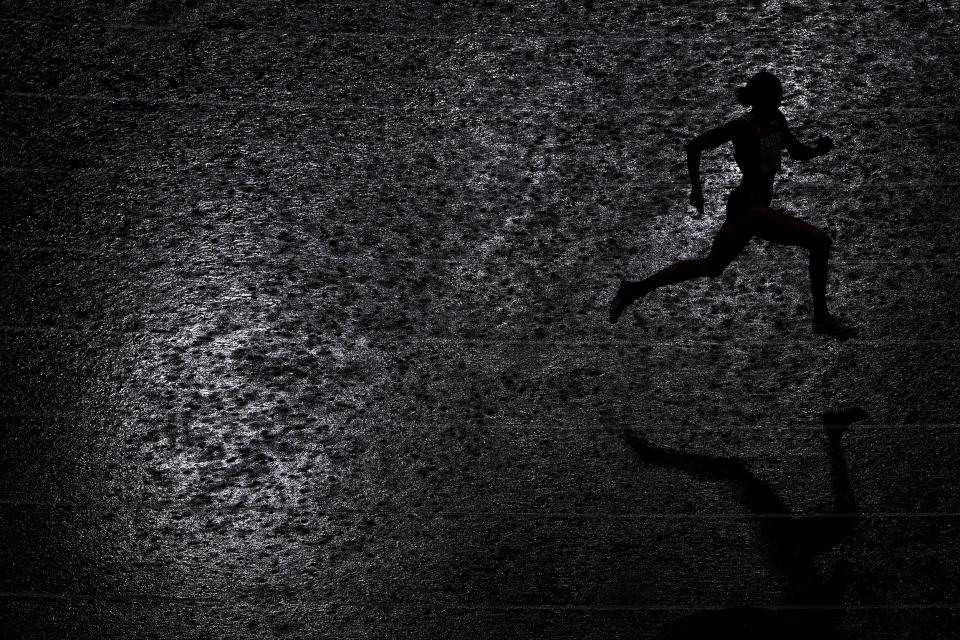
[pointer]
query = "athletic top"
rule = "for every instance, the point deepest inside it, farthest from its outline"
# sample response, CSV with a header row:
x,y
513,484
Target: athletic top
x,y
758,148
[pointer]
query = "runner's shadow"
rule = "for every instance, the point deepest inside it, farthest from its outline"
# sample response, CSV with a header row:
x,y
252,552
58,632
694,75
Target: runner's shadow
x,y
793,540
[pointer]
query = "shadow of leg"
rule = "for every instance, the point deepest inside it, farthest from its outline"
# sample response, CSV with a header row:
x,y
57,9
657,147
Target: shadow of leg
x,y
793,541
784,532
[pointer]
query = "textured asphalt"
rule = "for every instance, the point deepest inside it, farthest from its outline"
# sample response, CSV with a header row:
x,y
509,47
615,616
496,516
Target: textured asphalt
x,y
304,326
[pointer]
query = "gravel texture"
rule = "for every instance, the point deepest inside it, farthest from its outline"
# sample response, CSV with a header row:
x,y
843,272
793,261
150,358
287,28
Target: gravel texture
x,y
305,332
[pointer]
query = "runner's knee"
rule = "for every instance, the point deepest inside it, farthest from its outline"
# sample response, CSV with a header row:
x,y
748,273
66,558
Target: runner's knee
x,y
821,243
713,268
818,242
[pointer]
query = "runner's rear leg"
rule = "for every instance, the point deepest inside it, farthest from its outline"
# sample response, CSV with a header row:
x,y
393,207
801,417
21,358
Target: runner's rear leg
x,y
727,245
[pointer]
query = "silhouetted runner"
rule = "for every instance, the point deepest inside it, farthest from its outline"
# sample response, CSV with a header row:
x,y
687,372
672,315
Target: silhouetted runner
x,y
758,143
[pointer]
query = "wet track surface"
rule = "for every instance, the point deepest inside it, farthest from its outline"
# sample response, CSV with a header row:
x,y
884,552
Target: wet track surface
x,y
305,334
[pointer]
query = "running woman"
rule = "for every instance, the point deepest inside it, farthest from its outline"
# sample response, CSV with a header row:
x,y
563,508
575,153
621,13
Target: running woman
x,y
758,143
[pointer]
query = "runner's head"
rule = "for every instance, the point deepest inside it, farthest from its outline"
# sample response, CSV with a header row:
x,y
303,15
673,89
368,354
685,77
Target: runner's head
x,y
763,92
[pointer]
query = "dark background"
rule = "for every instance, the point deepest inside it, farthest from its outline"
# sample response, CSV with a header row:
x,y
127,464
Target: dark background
x,y
304,321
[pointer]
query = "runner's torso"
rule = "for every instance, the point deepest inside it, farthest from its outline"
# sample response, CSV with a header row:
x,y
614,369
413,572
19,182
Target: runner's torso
x,y
758,149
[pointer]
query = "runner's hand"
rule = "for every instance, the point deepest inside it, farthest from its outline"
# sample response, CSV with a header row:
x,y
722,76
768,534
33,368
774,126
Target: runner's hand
x,y
824,144
696,199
